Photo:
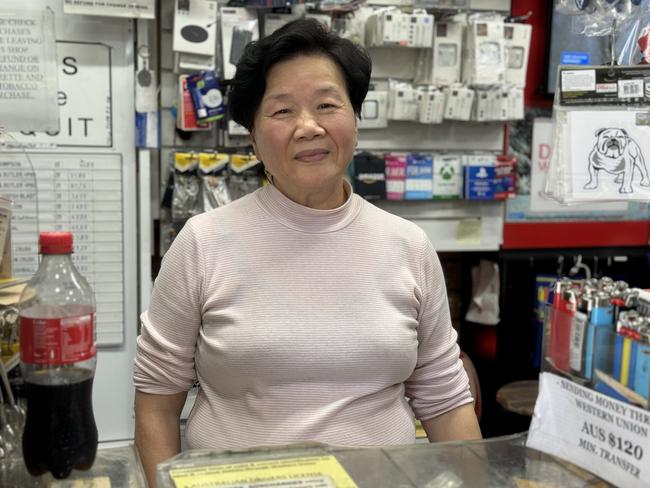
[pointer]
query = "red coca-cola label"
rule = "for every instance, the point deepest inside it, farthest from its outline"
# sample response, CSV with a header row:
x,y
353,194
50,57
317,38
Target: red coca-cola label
x,y
62,340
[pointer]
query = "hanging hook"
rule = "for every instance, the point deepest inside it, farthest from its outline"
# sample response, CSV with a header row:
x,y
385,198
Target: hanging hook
x,y
560,266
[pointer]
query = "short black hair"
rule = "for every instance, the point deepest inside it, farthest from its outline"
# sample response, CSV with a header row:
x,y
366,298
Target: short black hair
x,y
299,37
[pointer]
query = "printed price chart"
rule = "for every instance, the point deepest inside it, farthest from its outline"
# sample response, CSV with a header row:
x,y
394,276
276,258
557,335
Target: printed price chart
x,y
82,194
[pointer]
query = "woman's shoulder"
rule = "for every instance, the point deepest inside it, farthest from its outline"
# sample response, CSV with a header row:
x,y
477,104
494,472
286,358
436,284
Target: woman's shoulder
x,y
235,212
389,223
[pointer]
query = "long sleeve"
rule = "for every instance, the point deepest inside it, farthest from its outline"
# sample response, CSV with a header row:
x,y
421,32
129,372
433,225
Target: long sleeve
x,y
439,382
164,362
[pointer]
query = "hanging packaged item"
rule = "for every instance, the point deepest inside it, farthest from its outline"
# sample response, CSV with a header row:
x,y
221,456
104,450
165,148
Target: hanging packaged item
x,y
370,176
483,51
517,46
447,176
447,48
402,101
602,135
419,177
479,175
213,173
206,96
395,176
247,174
374,110
185,197
431,105
186,119
459,101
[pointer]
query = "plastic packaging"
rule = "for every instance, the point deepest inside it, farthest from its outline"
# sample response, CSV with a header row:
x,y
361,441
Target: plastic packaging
x,y
57,334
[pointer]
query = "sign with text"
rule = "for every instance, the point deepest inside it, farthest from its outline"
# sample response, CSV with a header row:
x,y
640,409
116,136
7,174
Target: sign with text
x,y
140,9
541,151
84,99
603,435
80,193
28,80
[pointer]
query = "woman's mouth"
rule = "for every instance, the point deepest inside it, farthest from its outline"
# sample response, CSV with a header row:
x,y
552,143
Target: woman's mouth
x,y
312,155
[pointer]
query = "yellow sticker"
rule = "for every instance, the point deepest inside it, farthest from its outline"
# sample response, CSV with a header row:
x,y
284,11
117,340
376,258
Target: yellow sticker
x,y
468,231
307,472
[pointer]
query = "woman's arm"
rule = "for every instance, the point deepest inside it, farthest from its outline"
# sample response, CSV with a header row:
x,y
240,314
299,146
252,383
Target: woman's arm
x,y
459,424
157,429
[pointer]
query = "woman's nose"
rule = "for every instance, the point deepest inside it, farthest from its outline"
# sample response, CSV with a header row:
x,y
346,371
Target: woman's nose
x,y
308,126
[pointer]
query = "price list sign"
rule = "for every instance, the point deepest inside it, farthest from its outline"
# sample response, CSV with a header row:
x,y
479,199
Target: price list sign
x,y
606,436
82,194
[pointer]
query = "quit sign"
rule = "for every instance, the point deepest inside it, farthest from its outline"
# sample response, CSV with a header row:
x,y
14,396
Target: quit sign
x,y
83,98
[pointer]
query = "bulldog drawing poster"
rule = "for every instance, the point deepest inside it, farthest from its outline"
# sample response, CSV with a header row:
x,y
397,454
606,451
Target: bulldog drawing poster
x,y
609,156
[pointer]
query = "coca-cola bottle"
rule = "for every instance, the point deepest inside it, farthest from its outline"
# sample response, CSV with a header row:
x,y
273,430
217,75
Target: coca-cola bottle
x,y
57,354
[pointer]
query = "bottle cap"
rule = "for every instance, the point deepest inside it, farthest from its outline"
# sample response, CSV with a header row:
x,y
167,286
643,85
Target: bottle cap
x,y
55,242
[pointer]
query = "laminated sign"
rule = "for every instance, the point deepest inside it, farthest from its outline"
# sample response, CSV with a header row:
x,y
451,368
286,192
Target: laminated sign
x,y
601,434
28,82
142,9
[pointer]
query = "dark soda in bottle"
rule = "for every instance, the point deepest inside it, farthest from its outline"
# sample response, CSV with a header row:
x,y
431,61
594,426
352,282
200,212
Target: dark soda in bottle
x,y
57,353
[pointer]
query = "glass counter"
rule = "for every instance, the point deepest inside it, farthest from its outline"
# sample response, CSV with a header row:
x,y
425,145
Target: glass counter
x,y
114,467
498,462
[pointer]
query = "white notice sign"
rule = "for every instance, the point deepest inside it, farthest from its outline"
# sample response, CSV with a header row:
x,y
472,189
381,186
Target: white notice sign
x,y
84,99
603,435
27,69
541,151
140,9
81,193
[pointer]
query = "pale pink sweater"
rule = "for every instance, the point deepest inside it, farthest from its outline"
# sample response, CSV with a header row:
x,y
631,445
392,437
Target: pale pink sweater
x,y
301,324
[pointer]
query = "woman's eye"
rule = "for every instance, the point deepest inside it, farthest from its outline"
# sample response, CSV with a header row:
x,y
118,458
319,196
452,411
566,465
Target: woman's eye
x,y
326,105
281,111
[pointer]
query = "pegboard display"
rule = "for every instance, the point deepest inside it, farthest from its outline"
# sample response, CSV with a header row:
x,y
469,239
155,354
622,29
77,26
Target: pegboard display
x,y
400,65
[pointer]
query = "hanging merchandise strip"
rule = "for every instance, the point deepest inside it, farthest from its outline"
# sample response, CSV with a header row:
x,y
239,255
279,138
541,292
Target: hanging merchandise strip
x,y
82,194
601,135
612,85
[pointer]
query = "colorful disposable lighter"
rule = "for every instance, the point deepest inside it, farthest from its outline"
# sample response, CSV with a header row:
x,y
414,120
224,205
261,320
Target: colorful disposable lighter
x,y
625,352
600,339
642,367
564,306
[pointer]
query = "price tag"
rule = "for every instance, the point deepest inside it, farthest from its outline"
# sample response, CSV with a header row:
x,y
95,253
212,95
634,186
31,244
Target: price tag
x,y
603,435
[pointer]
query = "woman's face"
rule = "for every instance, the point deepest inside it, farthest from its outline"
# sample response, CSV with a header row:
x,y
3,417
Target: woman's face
x,y
305,130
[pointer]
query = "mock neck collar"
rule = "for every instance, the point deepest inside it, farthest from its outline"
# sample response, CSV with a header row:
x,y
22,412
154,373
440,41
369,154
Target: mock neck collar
x,y
306,219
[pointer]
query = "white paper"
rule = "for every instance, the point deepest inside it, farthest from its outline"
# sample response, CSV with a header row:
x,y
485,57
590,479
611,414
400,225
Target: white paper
x,y
542,150
141,9
603,435
5,220
608,156
84,99
28,83
80,193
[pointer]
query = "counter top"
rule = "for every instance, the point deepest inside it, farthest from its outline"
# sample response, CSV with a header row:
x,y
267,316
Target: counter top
x,y
498,462
114,467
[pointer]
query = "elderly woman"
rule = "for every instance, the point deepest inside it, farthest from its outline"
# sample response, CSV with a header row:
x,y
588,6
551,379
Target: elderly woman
x,y
304,312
